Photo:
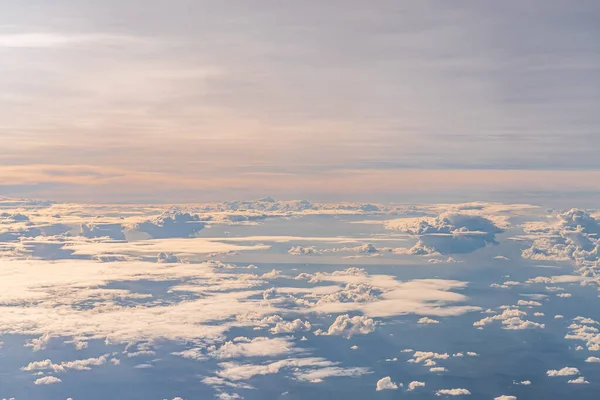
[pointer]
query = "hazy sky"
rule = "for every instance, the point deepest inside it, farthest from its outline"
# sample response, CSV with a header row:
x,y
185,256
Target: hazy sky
x,y
125,100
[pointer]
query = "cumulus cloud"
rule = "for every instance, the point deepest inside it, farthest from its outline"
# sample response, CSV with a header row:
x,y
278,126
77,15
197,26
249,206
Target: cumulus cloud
x,y
449,232
305,369
296,325
347,326
452,392
530,303
566,371
511,319
386,384
579,381
572,237
78,365
414,385
505,397
170,224
427,320
257,347
303,251
47,380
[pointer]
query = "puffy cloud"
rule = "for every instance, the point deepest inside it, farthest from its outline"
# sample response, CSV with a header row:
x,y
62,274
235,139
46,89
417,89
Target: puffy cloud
x,y
296,325
586,333
449,232
584,320
452,392
511,319
579,381
98,230
564,295
427,320
167,257
505,397
305,369
573,237
414,385
78,365
386,384
257,347
47,380
303,251
567,371
347,326
592,360
530,303
170,224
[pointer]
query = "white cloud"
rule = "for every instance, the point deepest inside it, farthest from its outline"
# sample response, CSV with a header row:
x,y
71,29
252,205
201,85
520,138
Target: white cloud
x,y
386,384
567,371
47,380
593,360
296,325
303,251
427,320
530,303
505,397
449,232
306,369
511,319
78,365
347,326
579,381
438,369
257,347
452,392
414,385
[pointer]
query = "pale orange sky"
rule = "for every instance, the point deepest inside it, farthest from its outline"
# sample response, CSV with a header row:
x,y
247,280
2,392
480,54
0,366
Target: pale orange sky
x,y
207,99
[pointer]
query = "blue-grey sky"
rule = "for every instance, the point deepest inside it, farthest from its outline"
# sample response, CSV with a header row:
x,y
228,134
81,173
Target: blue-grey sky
x,y
179,100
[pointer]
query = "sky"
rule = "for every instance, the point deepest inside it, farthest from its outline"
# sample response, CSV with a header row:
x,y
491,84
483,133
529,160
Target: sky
x,y
176,101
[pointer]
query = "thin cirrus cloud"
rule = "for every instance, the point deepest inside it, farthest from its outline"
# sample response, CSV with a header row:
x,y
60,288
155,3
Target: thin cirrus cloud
x,y
302,91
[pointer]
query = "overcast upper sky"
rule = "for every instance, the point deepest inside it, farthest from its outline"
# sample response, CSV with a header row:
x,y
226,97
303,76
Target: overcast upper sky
x,y
177,100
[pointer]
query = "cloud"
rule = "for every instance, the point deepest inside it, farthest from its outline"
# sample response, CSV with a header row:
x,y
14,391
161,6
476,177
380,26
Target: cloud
x,y
448,233
257,347
572,237
170,224
347,326
47,380
414,385
305,369
592,360
386,384
296,325
529,303
452,392
55,40
427,320
567,371
303,251
505,397
77,365
579,381
511,319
